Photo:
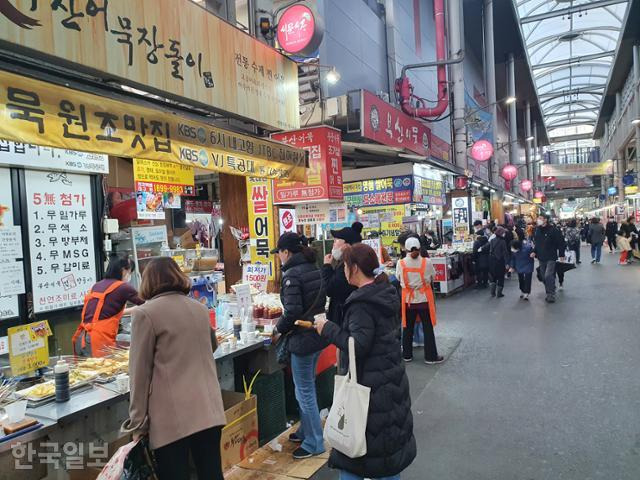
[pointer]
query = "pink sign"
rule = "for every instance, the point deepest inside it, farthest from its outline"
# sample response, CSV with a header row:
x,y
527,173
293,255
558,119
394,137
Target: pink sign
x,y
539,194
509,172
385,124
526,185
324,175
481,151
296,28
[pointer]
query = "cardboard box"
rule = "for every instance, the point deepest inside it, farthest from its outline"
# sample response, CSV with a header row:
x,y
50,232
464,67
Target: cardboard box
x,y
240,435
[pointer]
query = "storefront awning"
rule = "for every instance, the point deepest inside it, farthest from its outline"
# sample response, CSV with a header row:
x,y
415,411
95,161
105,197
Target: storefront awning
x,y
40,113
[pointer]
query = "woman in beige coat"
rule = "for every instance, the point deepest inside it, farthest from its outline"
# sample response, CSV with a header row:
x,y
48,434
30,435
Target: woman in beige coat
x,y
175,394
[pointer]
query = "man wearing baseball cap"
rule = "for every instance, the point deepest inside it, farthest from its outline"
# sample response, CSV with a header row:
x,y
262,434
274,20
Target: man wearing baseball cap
x,y
416,273
338,289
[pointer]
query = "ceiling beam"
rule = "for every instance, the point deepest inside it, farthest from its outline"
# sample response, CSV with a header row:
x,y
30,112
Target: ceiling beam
x,y
567,138
570,10
574,60
558,113
595,89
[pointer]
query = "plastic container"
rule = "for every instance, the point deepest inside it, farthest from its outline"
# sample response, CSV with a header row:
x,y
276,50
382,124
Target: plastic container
x,y
61,376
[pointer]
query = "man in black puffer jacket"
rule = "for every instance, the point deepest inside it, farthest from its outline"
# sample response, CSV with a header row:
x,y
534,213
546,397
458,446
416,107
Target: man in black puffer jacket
x,y
371,318
303,296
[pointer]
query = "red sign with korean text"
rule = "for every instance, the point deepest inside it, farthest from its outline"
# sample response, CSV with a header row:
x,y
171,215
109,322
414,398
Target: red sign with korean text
x,y
296,28
385,124
324,175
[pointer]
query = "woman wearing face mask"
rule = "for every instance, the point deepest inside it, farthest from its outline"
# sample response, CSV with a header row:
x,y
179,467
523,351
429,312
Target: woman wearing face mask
x,y
338,289
303,296
370,317
104,306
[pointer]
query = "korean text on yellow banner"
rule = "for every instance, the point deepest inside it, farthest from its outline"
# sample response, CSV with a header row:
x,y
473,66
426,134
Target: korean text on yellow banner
x,y
32,111
28,347
173,48
163,177
261,221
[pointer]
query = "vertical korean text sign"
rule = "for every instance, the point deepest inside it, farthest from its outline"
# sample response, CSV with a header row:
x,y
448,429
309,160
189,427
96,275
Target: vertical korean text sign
x,y
261,221
324,175
61,240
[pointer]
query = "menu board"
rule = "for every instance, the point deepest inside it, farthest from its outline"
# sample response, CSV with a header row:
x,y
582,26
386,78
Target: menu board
x,y
8,304
61,240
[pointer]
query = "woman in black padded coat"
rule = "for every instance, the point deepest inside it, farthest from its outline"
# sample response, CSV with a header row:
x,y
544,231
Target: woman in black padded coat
x,y
371,318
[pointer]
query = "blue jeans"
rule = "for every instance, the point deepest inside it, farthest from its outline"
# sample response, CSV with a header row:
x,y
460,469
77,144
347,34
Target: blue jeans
x,y
596,252
350,476
303,368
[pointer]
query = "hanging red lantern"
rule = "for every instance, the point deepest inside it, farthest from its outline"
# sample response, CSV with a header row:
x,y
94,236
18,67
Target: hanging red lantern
x,y
509,172
481,151
526,185
539,194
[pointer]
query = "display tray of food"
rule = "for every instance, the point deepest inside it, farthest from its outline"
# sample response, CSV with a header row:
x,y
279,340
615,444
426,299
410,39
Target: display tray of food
x,y
106,368
45,392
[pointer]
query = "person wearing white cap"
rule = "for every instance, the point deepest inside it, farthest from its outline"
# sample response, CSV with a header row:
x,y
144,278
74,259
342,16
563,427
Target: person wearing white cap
x,y
416,274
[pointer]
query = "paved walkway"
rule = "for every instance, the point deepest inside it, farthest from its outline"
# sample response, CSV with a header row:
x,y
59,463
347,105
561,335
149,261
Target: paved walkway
x,y
535,391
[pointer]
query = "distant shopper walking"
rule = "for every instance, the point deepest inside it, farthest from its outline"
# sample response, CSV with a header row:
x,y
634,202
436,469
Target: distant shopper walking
x,y
612,232
523,264
498,259
572,236
597,234
549,246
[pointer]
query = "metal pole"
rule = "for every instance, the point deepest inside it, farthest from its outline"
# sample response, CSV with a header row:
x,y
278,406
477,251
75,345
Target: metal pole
x,y
513,121
456,42
636,74
490,79
527,134
251,17
535,166
390,46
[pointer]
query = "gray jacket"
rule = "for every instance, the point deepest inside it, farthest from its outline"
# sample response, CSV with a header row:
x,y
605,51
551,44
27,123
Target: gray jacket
x,y
596,233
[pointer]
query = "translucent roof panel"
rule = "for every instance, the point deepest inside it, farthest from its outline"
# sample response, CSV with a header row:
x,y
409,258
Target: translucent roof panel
x,y
571,46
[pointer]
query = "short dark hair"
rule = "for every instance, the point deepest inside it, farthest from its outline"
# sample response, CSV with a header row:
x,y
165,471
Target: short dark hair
x,y
631,219
517,244
163,275
116,265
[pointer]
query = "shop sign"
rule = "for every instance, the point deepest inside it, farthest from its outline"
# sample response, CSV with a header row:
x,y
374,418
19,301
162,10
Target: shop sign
x,y
324,175
630,189
460,219
150,205
163,177
390,126
35,156
382,191
577,169
584,182
261,221
60,228
388,224
149,235
320,213
41,113
29,347
440,149
287,218
9,307
198,206
300,31
256,275
429,191
170,47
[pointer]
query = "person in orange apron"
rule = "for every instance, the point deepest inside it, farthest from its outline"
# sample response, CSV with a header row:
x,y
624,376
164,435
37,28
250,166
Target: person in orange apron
x,y
104,306
416,273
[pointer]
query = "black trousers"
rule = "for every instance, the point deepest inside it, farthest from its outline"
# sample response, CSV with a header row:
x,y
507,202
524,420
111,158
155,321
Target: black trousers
x,y
204,447
430,349
497,271
613,243
524,279
482,276
576,249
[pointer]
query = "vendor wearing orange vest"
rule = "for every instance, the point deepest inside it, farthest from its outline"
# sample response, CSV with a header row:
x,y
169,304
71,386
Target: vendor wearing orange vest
x,y
416,274
104,306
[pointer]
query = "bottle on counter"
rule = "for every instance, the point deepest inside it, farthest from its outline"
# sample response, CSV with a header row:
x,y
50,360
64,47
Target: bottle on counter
x,y
61,376
237,325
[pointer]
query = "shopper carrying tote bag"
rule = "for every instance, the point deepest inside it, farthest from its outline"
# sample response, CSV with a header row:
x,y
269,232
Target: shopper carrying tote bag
x,y
370,325
346,425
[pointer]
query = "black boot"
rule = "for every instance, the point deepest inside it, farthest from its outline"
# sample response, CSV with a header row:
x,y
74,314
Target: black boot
x,y
493,289
500,294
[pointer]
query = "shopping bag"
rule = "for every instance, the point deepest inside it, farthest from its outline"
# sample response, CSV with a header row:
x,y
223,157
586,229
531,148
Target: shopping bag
x,y
133,461
570,256
346,426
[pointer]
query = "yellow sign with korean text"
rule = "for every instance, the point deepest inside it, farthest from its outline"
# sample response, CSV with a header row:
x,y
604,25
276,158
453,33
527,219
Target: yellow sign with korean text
x,y
386,221
163,177
36,112
261,222
173,48
29,347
